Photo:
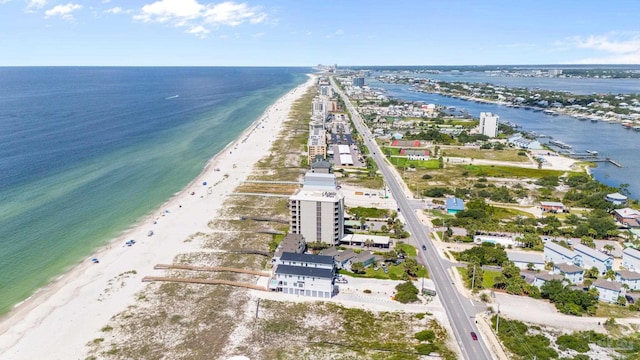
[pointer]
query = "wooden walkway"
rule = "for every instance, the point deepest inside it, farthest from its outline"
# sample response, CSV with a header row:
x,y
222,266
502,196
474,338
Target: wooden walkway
x,y
208,268
204,281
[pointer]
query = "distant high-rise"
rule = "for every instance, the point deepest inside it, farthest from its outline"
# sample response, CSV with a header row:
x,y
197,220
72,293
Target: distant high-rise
x,y
489,124
358,81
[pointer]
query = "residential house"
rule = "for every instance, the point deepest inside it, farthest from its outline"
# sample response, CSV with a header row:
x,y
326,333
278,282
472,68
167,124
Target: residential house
x,y
454,205
553,207
572,273
631,259
367,258
504,241
340,258
629,278
304,274
627,216
608,290
321,166
593,258
542,278
557,254
292,243
616,199
524,259
378,241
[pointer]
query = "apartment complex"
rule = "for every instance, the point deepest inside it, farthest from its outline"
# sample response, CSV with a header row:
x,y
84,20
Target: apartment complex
x,y
489,124
317,209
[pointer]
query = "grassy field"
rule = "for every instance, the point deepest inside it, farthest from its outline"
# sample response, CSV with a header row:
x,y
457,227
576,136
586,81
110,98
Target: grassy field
x,y
503,213
487,278
401,163
509,171
482,154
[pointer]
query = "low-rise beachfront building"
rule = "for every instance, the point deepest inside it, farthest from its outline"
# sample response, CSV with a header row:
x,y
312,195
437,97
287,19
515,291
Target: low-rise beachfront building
x,y
593,258
378,241
305,275
616,199
340,258
608,291
542,278
629,278
322,167
504,241
454,205
317,209
292,243
553,207
367,258
557,254
523,143
572,273
526,260
631,259
627,216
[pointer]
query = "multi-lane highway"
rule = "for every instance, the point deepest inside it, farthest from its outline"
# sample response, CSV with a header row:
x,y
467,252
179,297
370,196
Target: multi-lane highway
x,y
460,310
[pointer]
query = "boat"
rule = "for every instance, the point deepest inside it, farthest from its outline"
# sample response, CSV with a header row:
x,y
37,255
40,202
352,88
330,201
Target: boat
x,y
594,120
636,128
150,233
592,152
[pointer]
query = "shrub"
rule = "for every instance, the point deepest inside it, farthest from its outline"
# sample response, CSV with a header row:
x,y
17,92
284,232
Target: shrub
x,y
366,291
572,342
425,335
426,177
426,349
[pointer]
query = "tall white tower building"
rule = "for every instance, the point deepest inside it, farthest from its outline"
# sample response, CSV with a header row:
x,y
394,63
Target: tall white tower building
x,y
489,124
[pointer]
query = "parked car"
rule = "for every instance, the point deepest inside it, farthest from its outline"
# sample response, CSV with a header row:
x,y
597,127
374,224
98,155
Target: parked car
x,y
342,281
424,247
474,336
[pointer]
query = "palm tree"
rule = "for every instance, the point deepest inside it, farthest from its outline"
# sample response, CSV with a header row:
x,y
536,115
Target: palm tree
x,y
609,248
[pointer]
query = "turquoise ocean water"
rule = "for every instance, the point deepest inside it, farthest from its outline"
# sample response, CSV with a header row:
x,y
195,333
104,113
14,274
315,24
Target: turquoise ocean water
x,y
85,152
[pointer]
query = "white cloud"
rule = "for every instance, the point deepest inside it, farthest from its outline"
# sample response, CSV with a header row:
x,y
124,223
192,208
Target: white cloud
x,y
338,32
35,4
610,49
258,35
192,14
199,31
114,10
64,11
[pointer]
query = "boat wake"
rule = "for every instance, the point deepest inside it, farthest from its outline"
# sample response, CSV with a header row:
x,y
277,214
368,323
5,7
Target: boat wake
x,y
171,97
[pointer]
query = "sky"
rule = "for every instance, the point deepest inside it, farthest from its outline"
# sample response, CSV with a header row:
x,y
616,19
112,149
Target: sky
x,y
311,32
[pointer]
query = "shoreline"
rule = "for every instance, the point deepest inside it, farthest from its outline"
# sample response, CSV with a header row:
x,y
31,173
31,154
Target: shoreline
x,y
61,317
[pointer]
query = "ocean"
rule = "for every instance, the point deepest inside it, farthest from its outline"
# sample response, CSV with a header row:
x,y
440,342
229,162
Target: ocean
x,y
85,152
608,139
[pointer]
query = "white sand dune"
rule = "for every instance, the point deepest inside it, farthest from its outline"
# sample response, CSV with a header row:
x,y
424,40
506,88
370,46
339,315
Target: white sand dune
x,y
59,320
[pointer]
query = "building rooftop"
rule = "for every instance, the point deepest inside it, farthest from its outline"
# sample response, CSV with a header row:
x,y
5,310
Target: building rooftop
x,y
548,277
454,203
607,284
330,251
345,255
305,271
551,203
568,268
617,196
627,213
528,257
631,252
593,253
628,275
361,238
307,258
555,247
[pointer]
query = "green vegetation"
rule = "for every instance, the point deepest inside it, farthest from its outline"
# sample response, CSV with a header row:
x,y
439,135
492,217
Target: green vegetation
x,y
406,293
474,153
509,171
567,301
485,254
368,212
516,337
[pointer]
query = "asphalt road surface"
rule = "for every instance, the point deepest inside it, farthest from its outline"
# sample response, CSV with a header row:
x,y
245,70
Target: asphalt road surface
x,y
460,310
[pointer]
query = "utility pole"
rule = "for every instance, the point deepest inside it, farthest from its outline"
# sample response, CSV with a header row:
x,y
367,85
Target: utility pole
x,y
444,226
473,278
498,319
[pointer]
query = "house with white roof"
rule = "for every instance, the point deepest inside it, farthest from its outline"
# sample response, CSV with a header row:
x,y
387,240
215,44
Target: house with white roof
x,y
629,278
616,198
574,274
608,290
557,254
631,259
593,258
627,216
523,259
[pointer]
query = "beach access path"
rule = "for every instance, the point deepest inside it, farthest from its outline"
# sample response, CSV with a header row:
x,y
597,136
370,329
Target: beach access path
x,y
59,320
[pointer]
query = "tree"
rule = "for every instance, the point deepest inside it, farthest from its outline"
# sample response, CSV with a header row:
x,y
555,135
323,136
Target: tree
x,y
530,240
358,268
610,274
609,248
622,301
411,267
475,274
592,273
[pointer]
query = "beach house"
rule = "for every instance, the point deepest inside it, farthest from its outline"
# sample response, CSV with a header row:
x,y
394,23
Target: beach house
x,y
305,275
526,260
292,243
629,278
593,258
572,273
454,205
553,207
504,241
557,254
631,259
542,278
608,290
415,154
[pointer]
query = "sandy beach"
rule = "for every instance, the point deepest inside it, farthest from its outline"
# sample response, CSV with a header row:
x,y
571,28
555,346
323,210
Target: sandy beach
x,y
59,320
